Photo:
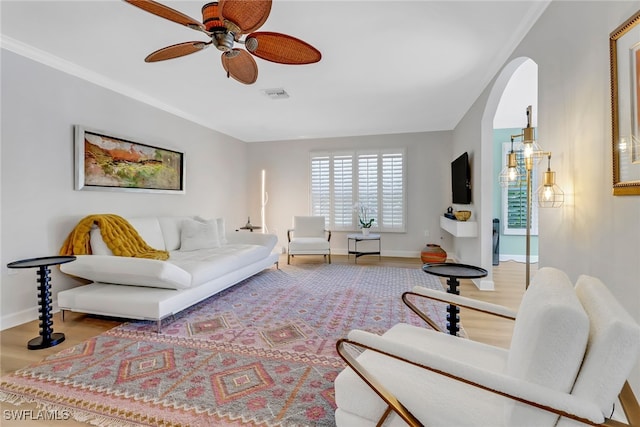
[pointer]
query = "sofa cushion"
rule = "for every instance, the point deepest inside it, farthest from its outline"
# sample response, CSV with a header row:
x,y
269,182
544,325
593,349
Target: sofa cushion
x,y
129,271
171,227
204,264
196,235
222,232
150,231
308,245
548,342
148,228
98,246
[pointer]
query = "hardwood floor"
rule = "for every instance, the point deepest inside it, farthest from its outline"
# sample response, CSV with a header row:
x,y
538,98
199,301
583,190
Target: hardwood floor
x,y
509,288
509,279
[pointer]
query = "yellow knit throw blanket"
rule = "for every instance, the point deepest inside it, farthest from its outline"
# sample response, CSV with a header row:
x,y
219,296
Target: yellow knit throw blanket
x,y
118,235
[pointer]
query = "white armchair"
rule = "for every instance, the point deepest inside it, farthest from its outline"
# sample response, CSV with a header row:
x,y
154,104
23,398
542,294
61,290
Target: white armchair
x,y
308,237
571,353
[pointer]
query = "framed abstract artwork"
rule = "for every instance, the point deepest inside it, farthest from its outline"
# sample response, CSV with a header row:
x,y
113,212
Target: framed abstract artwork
x,y
624,49
106,162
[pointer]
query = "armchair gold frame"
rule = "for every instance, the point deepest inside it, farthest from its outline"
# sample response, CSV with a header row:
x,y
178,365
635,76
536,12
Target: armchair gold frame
x,y
626,397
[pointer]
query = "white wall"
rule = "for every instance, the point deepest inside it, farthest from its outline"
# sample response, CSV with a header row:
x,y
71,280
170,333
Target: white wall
x,y
466,137
39,205
520,92
594,233
287,168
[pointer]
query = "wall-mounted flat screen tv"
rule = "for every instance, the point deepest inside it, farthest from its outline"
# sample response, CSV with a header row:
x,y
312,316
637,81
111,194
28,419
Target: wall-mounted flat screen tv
x,y
461,180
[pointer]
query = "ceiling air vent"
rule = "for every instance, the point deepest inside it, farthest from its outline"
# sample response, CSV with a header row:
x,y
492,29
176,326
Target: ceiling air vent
x,y
277,93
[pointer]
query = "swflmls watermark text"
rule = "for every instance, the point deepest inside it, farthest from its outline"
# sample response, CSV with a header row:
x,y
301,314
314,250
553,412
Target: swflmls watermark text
x,y
35,415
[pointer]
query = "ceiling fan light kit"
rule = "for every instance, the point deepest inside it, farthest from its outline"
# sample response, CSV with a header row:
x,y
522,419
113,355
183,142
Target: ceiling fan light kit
x,y
225,22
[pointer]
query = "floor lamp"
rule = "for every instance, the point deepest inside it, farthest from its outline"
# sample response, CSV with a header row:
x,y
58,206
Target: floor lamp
x,y
264,198
548,194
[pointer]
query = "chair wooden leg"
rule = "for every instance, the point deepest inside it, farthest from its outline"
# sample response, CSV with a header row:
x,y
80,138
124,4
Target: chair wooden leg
x,y
384,416
630,405
392,402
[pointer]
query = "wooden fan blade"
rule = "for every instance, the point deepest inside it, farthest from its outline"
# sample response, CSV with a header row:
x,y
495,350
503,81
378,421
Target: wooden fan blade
x,y
248,15
281,48
240,65
176,50
167,13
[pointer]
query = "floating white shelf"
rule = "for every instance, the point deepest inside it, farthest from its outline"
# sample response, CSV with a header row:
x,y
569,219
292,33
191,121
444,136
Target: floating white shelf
x,y
459,228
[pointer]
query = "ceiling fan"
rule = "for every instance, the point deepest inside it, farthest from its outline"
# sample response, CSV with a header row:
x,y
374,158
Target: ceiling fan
x,y
225,22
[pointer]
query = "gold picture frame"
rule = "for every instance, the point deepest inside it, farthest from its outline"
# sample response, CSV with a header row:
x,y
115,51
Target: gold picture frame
x,y
624,50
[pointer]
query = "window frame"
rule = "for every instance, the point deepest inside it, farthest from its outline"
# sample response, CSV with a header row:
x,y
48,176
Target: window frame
x,y
520,231
381,196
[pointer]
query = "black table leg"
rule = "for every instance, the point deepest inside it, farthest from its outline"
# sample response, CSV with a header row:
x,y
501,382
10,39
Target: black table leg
x,y
453,272
452,310
47,337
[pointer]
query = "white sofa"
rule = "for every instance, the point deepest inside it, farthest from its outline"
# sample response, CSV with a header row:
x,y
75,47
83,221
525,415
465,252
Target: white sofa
x,y
203,261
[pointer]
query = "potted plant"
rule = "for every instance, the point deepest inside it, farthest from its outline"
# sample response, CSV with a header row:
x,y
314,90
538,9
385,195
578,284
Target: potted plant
x,y
365,217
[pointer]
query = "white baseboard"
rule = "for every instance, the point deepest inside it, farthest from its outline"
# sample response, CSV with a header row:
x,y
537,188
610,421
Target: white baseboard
x,y
399,254
24,316
518,258
15,319
484,284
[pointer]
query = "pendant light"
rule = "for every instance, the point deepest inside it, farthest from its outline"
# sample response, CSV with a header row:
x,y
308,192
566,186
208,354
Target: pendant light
x,y
512,173
549,195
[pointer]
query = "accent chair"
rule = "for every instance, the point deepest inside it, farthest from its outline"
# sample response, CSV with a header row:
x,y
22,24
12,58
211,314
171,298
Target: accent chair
x,y
571,354
308,237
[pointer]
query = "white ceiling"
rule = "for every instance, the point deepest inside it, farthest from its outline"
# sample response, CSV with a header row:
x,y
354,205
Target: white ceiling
x,y
387,67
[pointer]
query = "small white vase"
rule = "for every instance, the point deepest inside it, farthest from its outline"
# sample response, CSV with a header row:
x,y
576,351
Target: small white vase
x,y
365,231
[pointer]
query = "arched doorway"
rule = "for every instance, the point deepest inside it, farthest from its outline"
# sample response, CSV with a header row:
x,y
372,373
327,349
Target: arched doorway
x,y
515,88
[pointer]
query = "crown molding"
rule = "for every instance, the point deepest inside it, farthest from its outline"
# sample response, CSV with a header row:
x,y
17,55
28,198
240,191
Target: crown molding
x,y
98,79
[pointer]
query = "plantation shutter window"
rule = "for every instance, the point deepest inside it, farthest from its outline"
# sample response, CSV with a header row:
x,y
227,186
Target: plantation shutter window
x,y
320,186
514,201
343,191
368,183
393,191
374,178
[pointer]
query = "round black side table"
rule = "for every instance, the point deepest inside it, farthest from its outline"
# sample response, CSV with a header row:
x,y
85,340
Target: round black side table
x,y
454,272
47,337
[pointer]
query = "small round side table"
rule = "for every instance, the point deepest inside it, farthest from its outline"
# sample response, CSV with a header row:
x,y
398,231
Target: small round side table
x,y
47,337
454,272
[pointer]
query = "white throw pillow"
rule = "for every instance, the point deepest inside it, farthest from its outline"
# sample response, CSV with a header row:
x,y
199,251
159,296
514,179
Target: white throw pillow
x,y
199,235
98,246
222,234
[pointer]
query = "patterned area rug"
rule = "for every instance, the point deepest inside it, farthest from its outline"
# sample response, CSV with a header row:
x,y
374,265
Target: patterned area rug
x,y
261,353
